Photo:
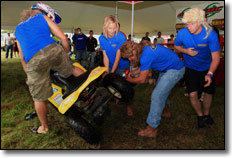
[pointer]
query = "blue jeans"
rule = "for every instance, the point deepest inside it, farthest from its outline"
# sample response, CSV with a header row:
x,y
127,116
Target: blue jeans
x,y
159,97
9,47
92,58
81,54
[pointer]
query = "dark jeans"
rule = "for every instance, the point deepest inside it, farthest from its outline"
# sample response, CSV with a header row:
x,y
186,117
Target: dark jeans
x,y
9,47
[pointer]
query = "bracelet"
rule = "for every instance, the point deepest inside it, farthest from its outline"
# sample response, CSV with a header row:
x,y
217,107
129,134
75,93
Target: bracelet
x,y
209,75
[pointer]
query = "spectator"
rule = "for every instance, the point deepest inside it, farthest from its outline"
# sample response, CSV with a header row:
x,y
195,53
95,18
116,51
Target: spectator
x,y
171,70
110,42
15,47
70,46
155,41
9,45
201,50
170,44
146,37
91,44
79,39
159,39
40,53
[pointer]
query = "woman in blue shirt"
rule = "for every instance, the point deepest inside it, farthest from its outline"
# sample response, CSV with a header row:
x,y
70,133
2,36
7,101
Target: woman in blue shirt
x,y
40,53
171,68
110,42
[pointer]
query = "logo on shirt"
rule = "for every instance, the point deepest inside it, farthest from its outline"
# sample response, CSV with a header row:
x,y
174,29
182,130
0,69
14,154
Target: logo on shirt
x,y
202,45
114,45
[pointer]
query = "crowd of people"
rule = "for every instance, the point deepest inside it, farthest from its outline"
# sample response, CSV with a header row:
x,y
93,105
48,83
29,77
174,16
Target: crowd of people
x,y
198,43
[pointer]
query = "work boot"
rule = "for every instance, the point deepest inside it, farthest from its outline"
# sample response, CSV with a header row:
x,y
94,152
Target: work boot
x,y
208,120
201,121
166,112
149,132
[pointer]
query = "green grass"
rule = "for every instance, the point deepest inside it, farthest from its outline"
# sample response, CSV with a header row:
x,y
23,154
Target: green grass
x,y
119,130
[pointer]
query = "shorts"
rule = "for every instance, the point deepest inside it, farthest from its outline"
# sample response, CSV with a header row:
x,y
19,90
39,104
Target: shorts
x,y
38,70
195,81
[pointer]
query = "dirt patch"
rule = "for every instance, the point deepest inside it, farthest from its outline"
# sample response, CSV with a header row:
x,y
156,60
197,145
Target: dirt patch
x,y
7,106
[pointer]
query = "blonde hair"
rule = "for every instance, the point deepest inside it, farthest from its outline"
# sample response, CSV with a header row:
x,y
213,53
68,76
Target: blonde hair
x,y
197,15
25,14
109,20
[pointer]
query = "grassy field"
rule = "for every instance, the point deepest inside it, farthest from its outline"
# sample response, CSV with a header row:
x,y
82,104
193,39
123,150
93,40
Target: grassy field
x,y
119,131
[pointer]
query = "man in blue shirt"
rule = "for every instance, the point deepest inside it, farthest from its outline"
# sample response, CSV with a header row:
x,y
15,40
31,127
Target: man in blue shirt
x,y
201,50
79,39
40,53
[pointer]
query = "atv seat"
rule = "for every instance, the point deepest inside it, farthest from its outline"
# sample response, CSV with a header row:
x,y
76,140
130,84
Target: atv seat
x,y
72,83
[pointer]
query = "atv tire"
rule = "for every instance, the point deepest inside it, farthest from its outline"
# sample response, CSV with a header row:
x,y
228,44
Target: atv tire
x,y
83,128
119,87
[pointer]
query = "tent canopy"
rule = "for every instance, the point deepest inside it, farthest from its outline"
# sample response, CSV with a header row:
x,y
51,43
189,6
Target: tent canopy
x,y
149,16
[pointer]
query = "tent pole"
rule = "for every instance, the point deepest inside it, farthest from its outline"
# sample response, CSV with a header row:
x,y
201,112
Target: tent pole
x,y
116,10
132,21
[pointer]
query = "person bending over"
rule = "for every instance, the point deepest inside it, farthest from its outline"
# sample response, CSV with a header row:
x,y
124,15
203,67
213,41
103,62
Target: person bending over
x,y
171,67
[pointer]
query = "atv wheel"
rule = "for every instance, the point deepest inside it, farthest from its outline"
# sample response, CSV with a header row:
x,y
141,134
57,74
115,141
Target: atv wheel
x,y
119,87
83,128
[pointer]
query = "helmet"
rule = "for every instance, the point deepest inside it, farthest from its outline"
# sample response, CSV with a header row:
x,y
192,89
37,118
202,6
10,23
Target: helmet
x,y
47,10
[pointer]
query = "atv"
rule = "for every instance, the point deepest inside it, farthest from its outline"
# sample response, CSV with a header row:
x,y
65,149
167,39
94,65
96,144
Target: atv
x,y
84,99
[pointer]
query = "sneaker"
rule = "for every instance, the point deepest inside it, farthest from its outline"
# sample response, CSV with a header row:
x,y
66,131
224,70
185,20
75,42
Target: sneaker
x,y
201,121
208,120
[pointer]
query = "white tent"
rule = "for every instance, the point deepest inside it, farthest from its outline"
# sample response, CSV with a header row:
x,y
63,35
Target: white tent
x,y
149,16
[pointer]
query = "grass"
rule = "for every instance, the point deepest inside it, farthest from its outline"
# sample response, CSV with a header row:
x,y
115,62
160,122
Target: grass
x,y
118,132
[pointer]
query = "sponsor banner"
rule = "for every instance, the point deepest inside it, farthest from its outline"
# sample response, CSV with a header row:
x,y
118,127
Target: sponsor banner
x,y
214,10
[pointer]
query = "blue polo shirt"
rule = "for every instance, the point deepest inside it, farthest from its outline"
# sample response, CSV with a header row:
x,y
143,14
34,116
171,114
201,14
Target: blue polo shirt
x,y
205,47
111,45
33,35
160,58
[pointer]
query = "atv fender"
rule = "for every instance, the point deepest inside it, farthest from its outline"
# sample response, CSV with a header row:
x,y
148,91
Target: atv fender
x,y
71,99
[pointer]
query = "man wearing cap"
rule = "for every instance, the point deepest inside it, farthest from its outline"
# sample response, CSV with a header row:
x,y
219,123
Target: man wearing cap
x,y
40,53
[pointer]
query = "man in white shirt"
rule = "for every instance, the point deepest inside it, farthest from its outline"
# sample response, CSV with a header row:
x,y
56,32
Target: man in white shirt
x,y
9,45
160,40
